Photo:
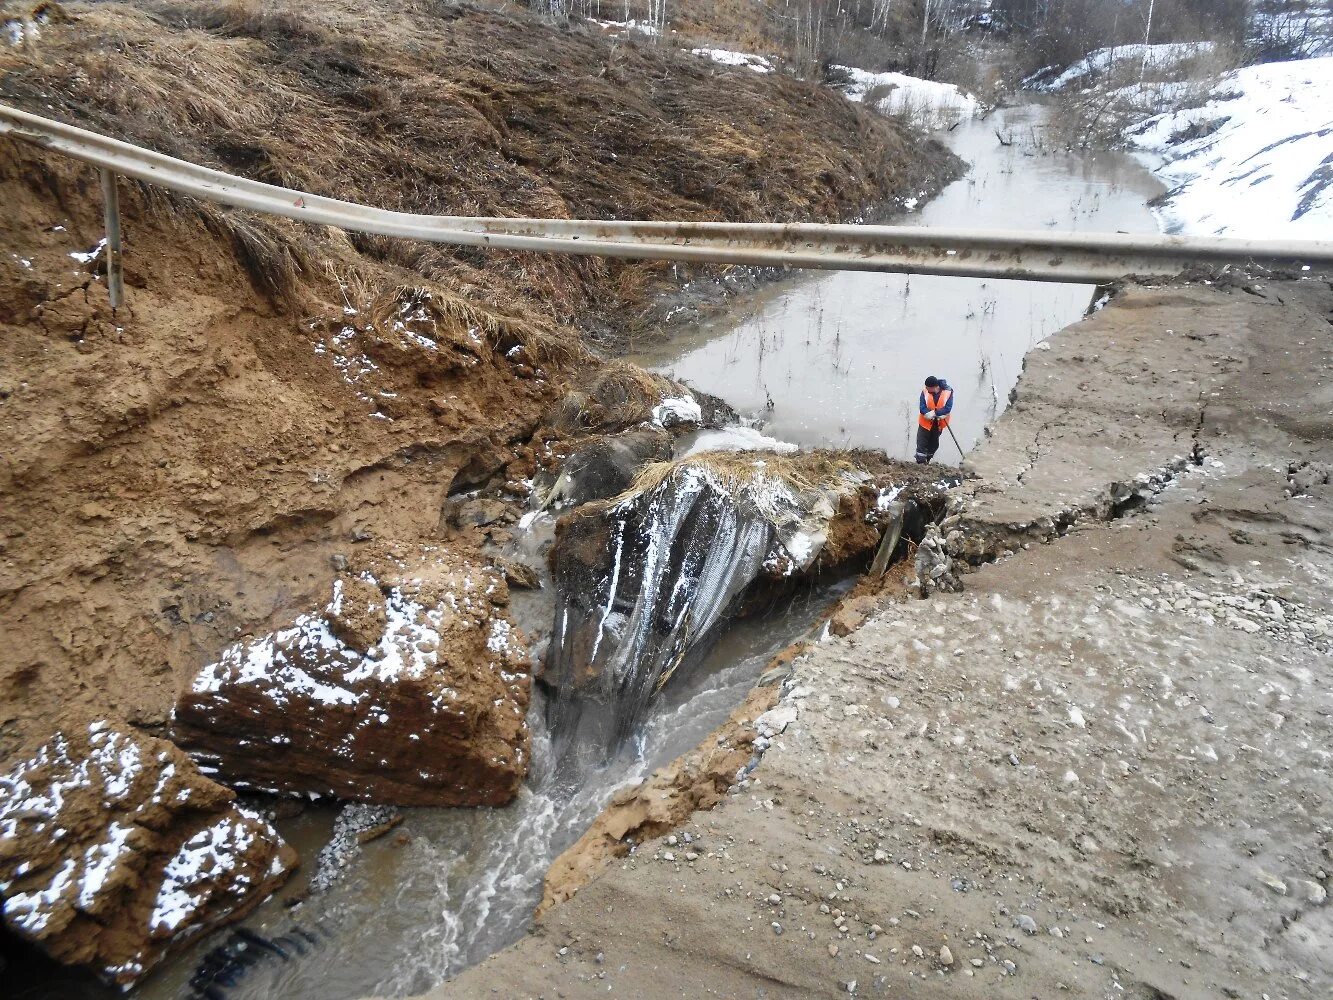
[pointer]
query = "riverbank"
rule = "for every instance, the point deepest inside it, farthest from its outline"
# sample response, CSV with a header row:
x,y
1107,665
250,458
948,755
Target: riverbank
x,y
1099,769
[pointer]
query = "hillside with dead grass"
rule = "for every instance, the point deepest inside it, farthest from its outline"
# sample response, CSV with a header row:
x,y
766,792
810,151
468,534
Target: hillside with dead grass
x,y
277,403
452,108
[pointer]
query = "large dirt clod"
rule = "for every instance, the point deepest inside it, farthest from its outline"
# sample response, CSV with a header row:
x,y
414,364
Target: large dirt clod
x,y
431,712
114,848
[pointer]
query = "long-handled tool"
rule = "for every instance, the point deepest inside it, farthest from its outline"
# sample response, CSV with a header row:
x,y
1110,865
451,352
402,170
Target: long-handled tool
x,y
955,441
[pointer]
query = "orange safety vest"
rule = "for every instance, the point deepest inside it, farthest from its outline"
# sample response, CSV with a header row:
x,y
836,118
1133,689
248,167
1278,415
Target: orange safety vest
x,y
933,402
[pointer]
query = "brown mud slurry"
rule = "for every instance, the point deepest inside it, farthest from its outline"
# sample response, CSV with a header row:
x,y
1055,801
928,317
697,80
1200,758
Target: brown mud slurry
x,y
278,403
1100,770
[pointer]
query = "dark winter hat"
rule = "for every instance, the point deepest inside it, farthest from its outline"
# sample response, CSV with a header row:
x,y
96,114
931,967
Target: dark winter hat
x,y
932,381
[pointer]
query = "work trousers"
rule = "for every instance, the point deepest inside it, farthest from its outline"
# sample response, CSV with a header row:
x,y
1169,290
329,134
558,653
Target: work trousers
x,y
927,443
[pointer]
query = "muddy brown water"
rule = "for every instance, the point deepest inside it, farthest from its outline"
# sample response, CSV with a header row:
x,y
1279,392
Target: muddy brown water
x,y
842,354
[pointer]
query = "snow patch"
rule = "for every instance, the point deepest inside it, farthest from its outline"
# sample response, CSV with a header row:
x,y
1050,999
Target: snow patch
x,y
675,410
737,438
727,57
1256,160
935,104
91,255
630,27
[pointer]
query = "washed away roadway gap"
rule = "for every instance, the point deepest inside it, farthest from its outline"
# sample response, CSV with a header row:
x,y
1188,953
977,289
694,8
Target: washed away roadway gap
x,y
1064,775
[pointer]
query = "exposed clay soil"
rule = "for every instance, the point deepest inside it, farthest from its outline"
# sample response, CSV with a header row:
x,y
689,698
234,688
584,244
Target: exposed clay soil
x,y
1099,771
277,404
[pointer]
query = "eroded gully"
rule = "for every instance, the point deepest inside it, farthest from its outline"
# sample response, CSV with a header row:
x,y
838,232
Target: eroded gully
x,y
840,356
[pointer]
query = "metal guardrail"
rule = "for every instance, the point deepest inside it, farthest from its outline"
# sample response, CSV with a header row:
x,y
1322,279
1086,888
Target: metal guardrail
x,y
1029,256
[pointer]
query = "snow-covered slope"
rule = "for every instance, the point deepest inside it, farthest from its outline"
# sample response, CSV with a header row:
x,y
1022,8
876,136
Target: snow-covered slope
x,y
1139,58
1256,160
935,104
931,104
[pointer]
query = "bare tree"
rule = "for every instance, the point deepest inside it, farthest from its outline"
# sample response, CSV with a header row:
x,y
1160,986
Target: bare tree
x,y
1147,39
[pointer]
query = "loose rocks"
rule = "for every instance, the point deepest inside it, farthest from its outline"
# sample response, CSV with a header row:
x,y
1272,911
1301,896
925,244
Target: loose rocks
x,y
934,566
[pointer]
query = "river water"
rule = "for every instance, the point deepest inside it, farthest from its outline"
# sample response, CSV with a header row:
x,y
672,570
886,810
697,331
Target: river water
x,y
842,354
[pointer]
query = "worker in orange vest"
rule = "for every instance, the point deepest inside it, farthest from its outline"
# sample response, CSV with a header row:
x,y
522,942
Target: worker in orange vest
x,y
936,405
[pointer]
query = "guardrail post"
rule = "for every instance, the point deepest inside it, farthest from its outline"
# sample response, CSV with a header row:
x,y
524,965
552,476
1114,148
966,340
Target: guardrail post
x,y
115,275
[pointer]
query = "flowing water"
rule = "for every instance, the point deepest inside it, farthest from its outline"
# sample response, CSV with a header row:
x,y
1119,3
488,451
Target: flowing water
x,y
465,884
842,354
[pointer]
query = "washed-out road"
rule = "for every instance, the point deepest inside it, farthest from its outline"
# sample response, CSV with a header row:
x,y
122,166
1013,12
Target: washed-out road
x,y
1102,769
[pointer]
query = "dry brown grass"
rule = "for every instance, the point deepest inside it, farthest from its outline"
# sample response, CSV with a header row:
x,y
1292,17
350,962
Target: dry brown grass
x,y
738,472
451,108
619,383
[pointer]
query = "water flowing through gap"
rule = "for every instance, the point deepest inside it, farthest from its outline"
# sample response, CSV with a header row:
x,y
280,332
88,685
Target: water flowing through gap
x,y
464,884
842,354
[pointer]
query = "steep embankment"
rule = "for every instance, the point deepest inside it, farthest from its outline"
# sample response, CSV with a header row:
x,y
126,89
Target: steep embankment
x,y
1245,153
278,404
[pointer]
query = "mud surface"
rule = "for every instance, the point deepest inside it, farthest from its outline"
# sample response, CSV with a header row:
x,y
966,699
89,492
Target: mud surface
x,y
1100,770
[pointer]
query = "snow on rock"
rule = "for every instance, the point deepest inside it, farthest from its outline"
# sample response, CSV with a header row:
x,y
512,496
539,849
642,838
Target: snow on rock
x,y
935,104
114,848
1137,58
411,694
727,57
1255,161
676,410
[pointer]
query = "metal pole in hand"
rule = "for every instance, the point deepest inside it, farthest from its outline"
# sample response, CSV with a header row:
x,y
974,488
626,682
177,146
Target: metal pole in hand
x,y
955,441
115,275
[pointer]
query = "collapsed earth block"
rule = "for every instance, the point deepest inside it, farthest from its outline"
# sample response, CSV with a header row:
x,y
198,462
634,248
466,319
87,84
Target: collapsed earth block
x,y
114,849
408,694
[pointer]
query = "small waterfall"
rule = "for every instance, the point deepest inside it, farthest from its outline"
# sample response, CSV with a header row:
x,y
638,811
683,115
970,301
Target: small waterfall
x,y
643,584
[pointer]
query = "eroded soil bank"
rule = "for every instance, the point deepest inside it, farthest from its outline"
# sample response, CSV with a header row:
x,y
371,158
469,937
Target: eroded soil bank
x,y
1099,770
275,397
279,479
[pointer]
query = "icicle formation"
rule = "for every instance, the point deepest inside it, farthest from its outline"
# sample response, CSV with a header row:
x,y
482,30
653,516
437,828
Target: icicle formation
x,y
680,552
